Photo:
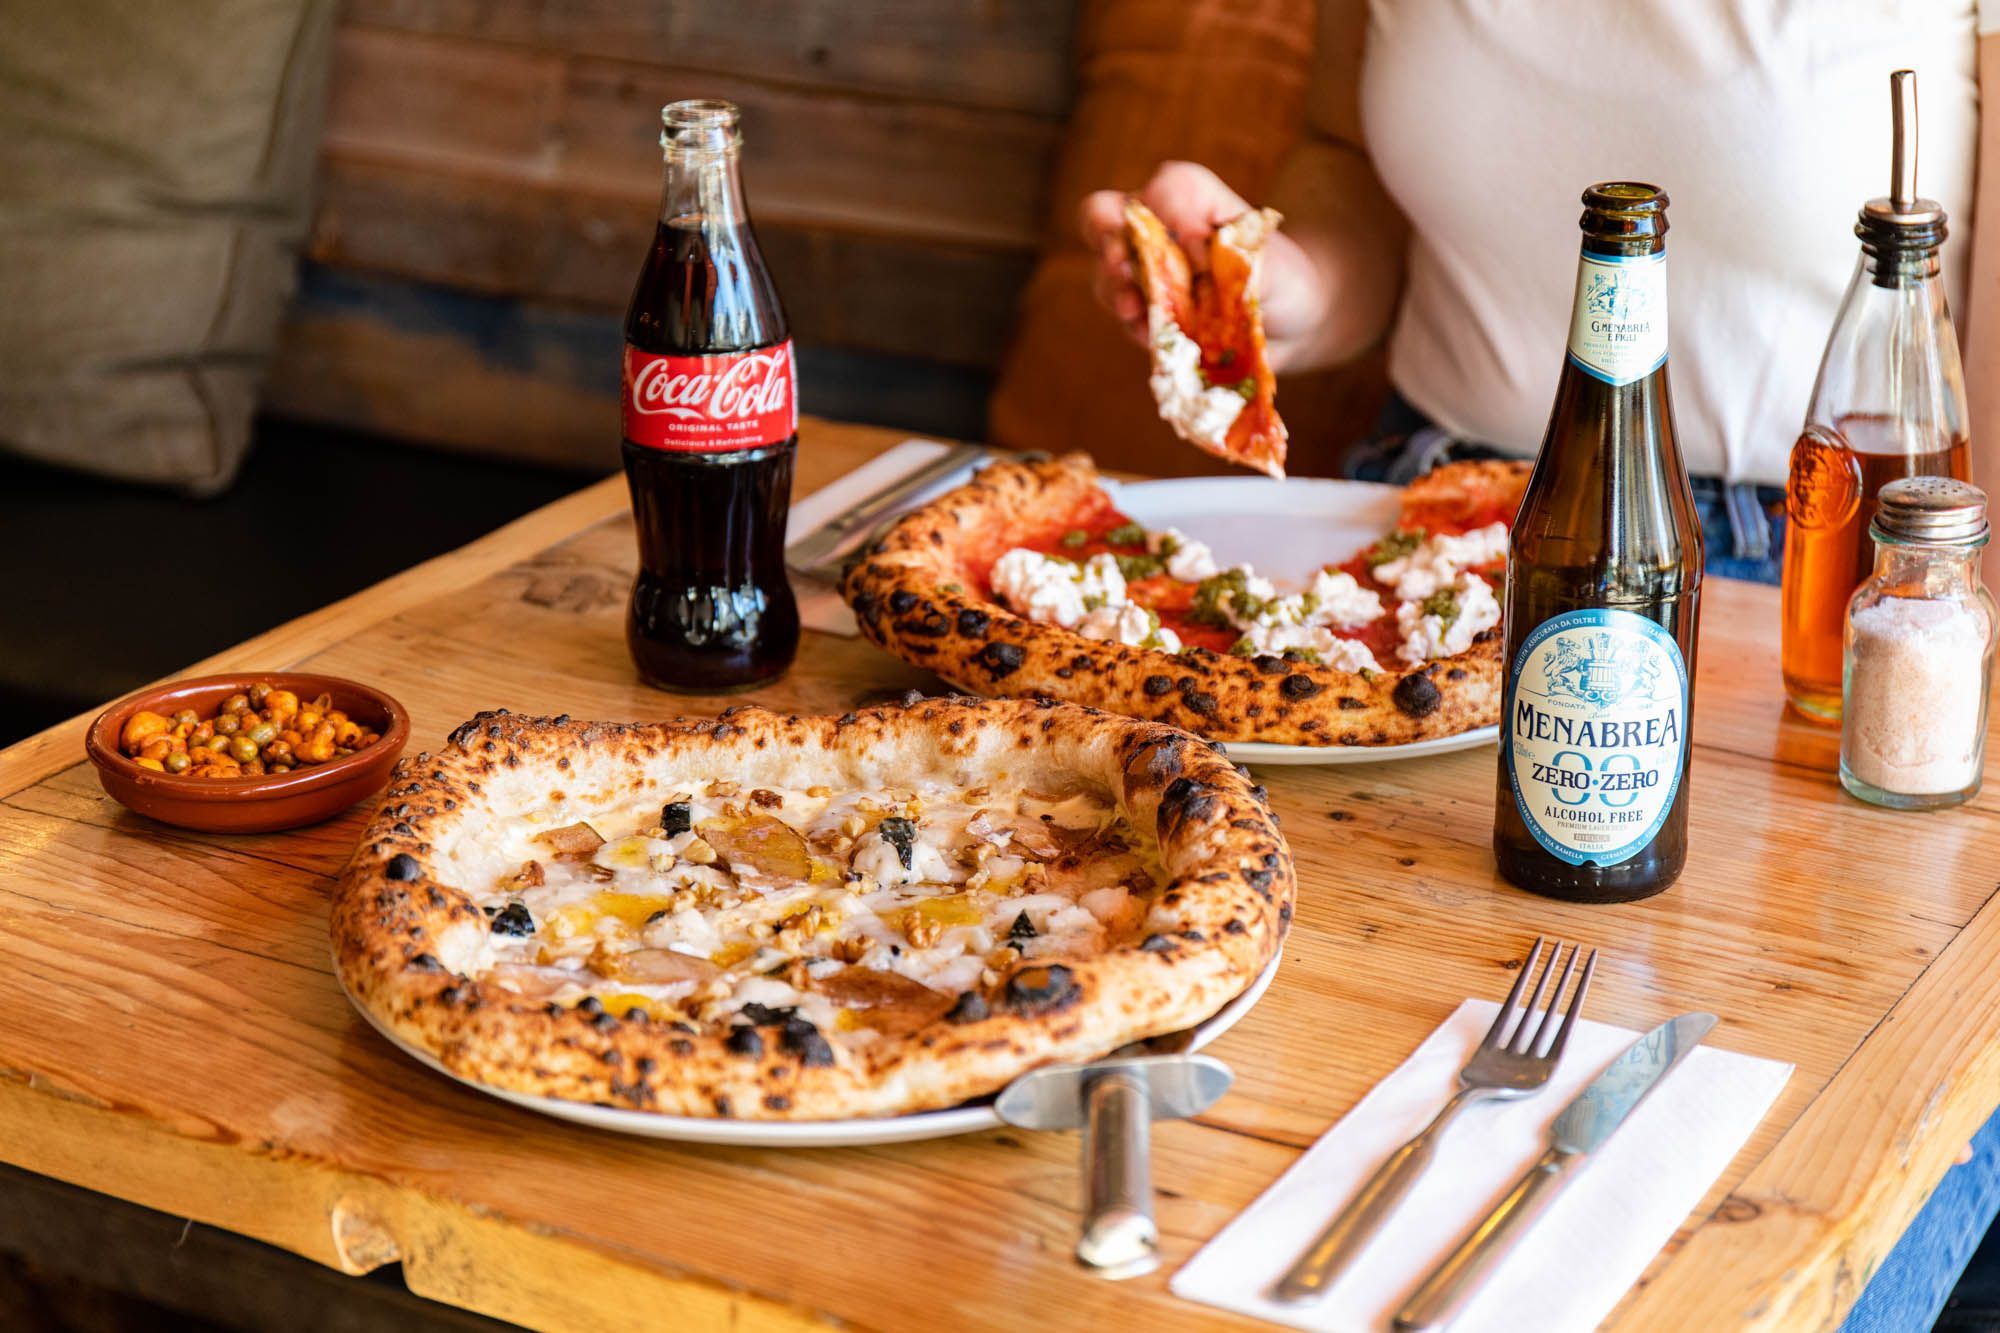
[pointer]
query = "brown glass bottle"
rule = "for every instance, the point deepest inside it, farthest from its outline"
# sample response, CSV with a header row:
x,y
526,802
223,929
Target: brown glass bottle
x,y
1603,592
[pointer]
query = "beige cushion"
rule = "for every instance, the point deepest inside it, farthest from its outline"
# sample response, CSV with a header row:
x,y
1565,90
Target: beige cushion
x,y
155,164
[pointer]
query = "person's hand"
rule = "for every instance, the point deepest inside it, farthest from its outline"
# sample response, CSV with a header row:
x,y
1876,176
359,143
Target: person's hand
x,y
1189,198
1193,201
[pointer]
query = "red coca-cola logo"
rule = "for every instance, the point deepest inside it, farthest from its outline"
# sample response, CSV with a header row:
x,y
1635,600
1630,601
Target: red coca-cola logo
x,y
707,404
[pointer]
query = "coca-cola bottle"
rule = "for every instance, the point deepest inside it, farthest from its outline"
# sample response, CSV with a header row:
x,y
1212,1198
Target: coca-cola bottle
x,y
710,427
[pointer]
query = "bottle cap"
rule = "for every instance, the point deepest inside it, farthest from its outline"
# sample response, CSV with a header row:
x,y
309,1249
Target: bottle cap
x,y
1930,511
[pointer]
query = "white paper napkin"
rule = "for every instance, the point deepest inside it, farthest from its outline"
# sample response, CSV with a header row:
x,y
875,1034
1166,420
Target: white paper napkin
x,y
1578,1259
820,606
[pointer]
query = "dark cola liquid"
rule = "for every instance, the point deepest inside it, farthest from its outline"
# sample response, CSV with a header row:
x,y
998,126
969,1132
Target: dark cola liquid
x,y
711,609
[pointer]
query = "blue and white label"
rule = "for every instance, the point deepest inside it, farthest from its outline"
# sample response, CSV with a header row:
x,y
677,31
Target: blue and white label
x,y
1597,708
1618,326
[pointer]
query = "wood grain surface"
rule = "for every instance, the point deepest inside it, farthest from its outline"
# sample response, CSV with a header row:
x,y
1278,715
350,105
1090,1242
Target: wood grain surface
x,y
175,1036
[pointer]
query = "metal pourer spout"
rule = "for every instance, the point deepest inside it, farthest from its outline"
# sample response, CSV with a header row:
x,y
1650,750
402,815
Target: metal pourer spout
x,y
1903,171
1902,217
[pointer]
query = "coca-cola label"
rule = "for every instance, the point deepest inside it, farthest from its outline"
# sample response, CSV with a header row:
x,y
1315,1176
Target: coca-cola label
x,y
708,404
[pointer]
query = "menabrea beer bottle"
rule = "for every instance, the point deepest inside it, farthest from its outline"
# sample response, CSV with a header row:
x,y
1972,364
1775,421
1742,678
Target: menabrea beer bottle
x,y
711,425
1603,587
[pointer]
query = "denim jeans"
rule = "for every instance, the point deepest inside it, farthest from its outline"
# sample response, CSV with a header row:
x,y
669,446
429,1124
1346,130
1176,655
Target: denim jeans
x,y
1743,533
1916,1278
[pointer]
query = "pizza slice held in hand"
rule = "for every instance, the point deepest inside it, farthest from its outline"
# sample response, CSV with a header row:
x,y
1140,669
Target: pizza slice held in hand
x,y
1210,377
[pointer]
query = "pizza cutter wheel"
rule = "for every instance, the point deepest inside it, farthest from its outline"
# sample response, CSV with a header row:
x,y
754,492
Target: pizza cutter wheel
x,y
1115,1102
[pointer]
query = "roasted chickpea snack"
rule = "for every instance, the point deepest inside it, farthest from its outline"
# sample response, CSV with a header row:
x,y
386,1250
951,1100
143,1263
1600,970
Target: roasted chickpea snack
x,y
265,730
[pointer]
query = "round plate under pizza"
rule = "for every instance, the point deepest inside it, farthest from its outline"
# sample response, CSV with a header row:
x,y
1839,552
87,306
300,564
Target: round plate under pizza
x,y
1288,528
971,1118
779,918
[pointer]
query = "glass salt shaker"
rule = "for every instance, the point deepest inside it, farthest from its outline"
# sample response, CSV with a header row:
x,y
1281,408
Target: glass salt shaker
x,y
1918,651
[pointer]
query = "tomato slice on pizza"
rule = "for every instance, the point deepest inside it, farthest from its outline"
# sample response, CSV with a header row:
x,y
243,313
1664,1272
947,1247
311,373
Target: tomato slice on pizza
x,y
1211,377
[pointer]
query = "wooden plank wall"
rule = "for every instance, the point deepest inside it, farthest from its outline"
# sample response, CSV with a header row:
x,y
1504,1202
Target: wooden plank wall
x,y
495,163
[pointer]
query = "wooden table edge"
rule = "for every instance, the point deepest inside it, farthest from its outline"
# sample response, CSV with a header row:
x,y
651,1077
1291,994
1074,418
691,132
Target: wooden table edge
x,y
476,1259
1821,1229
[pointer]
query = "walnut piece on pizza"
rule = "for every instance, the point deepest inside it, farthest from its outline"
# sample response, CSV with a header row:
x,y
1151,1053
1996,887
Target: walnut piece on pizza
x,y
1211,374
1421,659
774,916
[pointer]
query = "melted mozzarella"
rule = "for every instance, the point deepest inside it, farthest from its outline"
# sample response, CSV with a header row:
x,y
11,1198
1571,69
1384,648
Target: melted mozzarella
x,y
791,908
1188,560
1129,624
1426,635
1437,562
1057,591
877,857
1332,650
1341,601
1197,411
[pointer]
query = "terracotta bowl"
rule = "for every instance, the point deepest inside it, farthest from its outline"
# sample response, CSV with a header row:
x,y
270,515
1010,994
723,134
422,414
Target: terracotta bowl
x,y
263,804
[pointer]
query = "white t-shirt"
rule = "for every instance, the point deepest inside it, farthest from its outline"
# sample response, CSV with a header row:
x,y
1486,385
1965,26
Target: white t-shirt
x,y
1766,122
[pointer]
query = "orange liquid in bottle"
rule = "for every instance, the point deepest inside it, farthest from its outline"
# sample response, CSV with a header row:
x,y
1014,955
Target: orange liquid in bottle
x,y
1829,502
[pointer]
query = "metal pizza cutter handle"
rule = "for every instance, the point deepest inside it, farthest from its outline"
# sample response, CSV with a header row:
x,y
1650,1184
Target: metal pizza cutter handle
x,y
1115,1102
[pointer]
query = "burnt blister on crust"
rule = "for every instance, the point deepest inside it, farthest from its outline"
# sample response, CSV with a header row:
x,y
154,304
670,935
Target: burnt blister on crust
x,y
1158,761
932,624
1184,802
970,1007
804,1040
1299,686
1040,990
1417,695
1001,659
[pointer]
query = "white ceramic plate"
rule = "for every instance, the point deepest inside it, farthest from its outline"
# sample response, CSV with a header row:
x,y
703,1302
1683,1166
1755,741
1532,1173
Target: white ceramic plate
x,y
967,1119
1285,529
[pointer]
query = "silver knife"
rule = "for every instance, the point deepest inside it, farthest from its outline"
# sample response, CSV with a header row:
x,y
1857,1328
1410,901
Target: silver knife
x,y
1580,1130
816,548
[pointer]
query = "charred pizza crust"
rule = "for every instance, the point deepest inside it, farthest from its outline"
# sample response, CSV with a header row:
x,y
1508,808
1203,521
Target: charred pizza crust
x,y
403,929
915,593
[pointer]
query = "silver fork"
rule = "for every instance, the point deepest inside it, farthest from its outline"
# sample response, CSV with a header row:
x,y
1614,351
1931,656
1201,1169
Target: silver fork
x,y
1512,1061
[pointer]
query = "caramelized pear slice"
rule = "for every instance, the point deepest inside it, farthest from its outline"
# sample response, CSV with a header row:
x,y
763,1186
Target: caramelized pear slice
x,y
763,842
572,842
885,1001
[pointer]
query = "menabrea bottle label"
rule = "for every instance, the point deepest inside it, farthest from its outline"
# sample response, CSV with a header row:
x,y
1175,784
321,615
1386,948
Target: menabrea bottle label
x,y
1618,326
1597,708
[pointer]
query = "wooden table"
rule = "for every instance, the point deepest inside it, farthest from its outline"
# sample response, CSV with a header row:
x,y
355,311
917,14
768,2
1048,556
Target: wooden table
x,y
174,1036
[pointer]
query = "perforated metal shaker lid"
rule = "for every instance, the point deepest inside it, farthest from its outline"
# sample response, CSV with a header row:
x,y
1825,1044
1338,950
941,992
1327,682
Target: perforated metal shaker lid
x,y
1931,511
